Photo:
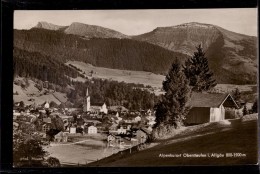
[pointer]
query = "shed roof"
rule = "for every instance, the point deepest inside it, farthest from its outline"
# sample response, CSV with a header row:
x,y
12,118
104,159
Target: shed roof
x,y
209,99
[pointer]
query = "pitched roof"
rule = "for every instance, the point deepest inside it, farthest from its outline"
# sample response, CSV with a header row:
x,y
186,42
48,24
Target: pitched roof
x,y
47,120
97,104
208,99
118,108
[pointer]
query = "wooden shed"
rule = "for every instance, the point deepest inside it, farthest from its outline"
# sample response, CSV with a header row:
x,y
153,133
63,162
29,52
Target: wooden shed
x,y
208,107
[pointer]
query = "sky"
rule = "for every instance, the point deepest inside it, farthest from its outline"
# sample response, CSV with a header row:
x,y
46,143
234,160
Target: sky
x,y
134,22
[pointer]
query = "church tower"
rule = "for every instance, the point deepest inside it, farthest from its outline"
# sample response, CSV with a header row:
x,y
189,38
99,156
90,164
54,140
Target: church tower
x,y
86,102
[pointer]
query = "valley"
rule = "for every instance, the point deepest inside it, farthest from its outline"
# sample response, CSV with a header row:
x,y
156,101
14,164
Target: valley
x,y
93,96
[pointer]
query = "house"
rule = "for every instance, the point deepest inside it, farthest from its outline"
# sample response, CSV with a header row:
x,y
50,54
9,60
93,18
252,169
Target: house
x,y
47,105
113,128
149,112
208,107
118,118
15,126
72,130
120,109
121,130
61,137
111,137
111,140
99,108
151,123
134,141
141,135
32,118
91,122
92,130
46,127
150,118
46,120
137,119
15,114
46,84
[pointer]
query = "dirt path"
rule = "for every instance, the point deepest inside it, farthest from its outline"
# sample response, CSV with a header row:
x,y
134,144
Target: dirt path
x,y
52,145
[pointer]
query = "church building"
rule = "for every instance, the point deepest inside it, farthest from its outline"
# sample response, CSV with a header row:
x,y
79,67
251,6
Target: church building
x,y
95,108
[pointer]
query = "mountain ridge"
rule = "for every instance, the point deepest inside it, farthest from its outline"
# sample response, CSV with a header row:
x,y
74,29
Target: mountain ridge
x,y
84,30
231,56
49,26
228,52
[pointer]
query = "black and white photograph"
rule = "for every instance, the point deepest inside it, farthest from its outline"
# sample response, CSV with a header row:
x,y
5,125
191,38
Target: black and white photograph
x,y
135,88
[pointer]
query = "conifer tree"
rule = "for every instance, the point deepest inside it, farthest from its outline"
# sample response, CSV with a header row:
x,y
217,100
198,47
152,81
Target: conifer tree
x,y
245,110
197,72
237,96
171,110
254,107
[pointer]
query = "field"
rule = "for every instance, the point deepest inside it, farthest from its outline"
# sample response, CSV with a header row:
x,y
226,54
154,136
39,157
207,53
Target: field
x,y
31,94
233,137
82,150
151,79
141,77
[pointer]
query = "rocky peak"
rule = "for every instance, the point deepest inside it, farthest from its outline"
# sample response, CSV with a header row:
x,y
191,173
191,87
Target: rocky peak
x,y
48,26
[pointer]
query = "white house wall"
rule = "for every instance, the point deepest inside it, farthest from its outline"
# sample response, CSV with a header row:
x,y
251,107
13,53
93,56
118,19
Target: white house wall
x,y
217,114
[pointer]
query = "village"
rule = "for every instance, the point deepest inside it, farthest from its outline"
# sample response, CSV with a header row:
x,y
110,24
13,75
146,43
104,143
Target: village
x,y
115,127
120,127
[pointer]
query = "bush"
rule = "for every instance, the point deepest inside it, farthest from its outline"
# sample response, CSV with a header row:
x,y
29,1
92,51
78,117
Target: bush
x,y
231,113
151,138
53,162
162,131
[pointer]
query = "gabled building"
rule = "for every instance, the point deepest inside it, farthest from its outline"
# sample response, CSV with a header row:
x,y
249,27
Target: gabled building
x,y
61,137
142,135
46,127
95,107
92,130
208,107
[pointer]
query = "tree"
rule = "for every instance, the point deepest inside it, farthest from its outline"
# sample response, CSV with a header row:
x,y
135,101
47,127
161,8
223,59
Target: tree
x,y
237,96
57,125
53,162
21,104
26,146
245,111
53,104
197,71
27,128
62,106
171,110
254,108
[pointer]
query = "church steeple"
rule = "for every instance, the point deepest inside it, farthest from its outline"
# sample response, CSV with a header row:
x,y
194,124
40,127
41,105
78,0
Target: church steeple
x,y
87,93
86,102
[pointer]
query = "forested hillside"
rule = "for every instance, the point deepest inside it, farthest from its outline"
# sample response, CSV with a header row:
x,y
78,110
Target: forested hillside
x,y
110,53
35,65
45,68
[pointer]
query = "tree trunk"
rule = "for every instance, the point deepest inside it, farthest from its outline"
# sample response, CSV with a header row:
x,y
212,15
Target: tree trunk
x,y
30,160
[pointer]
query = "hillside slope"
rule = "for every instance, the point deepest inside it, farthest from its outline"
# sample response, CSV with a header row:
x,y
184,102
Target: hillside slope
x,y
125,54
228,53
32,95
210,138
137,77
